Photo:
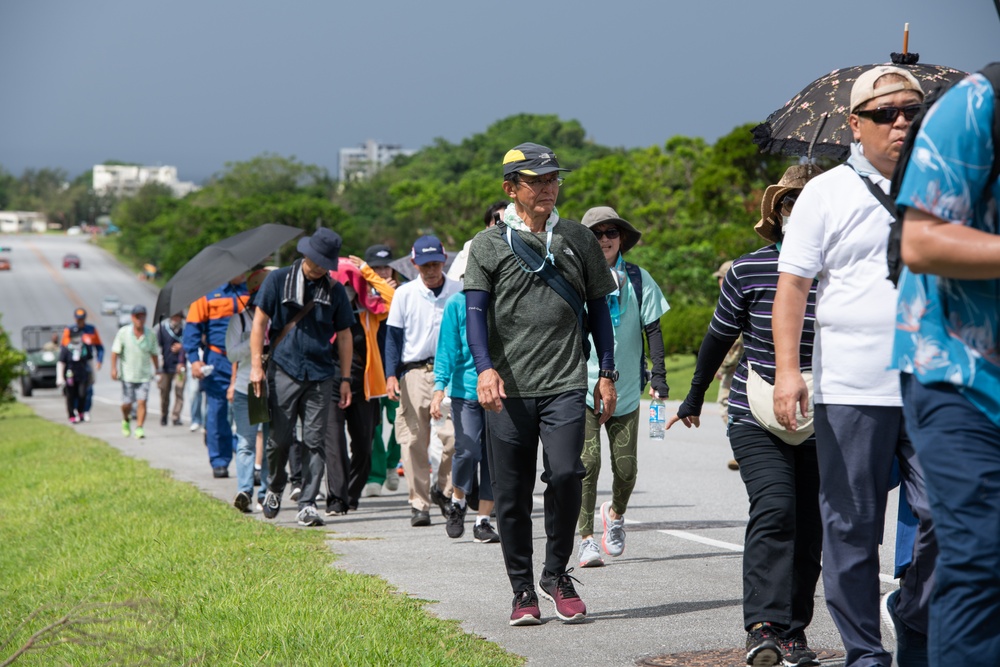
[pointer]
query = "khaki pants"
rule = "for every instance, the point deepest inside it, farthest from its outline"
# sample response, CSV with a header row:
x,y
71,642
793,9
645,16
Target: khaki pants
x,y
166,380
413,432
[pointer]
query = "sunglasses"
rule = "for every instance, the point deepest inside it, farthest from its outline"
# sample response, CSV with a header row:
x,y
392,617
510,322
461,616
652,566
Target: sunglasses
x,y
886,115
787,202
612,233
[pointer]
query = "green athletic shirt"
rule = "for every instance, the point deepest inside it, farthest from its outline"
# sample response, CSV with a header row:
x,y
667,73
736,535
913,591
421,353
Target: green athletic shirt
x,y
535,341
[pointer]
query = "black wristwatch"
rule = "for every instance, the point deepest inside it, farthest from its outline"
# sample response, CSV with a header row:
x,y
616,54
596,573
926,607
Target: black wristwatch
x,y
347,378
611,375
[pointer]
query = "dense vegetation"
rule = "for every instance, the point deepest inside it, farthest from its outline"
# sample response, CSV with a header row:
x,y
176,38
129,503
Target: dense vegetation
x,y
695,203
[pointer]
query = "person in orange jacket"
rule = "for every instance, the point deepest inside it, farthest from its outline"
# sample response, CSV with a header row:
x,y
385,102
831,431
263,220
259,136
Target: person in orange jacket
x,y
89,336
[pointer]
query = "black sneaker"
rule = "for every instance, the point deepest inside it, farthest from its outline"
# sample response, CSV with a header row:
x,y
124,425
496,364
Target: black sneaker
x,y
242,502
336,508
762,646
163,421
484,533
418,518
272,503
455,526
560,590
797,651
440,500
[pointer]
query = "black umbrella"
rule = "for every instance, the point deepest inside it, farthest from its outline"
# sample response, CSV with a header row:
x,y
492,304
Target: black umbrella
x,y
814,122
219,263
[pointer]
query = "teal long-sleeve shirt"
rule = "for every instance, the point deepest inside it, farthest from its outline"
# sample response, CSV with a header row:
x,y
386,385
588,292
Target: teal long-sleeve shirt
x,y
454,369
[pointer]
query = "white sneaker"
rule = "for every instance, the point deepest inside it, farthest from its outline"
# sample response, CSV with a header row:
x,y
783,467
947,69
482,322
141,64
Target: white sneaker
x,y
308,516
371,490
590,553
86,416
391,479
195,426
295,494
613,539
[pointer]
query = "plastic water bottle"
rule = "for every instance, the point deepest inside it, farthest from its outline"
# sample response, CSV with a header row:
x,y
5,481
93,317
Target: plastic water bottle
x,y
657,419
207,369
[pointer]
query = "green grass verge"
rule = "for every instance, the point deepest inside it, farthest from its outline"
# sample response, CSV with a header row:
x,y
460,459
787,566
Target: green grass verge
x,y
125,565
680,370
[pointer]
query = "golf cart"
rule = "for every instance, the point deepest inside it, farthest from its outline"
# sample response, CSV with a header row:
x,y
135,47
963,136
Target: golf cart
x,y
41,355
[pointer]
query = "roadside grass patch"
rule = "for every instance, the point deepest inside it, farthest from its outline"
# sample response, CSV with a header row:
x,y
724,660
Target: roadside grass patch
x,y
129,566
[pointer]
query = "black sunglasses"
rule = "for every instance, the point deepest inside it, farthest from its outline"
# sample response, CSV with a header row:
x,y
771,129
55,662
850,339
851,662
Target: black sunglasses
x,y
886,115
612,233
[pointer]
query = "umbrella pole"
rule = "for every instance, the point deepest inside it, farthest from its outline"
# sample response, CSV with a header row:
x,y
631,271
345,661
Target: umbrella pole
x,y
819,128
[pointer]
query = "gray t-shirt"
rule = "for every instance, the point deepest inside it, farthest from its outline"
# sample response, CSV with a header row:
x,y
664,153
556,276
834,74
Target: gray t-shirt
x,y
535,341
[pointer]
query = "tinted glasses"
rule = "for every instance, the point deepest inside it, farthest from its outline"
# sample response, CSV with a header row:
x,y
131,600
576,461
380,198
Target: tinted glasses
x,y
611,233
886,115
787,202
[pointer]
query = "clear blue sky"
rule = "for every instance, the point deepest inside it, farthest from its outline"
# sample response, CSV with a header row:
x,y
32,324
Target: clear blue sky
x,y
197,84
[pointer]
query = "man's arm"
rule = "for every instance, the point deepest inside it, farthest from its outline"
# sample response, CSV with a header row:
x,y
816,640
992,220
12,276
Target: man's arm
x,y
257,333
114,365
599,318
393,353
787,319
933,245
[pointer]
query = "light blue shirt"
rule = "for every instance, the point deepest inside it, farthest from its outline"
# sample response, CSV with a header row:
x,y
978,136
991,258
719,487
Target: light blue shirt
x,y
946,329
454,368
629,342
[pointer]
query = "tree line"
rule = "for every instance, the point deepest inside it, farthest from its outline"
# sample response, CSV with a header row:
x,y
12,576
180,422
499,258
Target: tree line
x,y
695,203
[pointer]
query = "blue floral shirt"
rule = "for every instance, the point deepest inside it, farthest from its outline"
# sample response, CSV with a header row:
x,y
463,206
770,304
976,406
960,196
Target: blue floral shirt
x,y
946,329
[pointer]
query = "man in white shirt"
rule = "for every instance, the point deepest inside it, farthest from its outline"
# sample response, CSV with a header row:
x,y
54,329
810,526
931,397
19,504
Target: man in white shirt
x,y
839,236
411,341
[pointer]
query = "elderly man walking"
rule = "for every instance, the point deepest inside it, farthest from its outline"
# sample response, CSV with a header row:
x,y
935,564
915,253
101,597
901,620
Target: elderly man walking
x,y
134,348
303,308
838,235
528,345
411,341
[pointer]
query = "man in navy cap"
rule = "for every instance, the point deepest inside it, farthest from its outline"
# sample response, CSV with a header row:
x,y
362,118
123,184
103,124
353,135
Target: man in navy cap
x,y
413,325
528,345
306,308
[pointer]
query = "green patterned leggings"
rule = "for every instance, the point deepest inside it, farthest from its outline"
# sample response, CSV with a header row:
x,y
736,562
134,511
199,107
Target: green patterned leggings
x,y
623,433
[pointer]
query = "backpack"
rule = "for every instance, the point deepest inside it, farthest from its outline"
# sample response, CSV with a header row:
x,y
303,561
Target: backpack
x,y
894,258
635,277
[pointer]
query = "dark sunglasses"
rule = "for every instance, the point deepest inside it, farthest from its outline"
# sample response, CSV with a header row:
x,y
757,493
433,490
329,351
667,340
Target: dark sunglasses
x,y
612,233
886,115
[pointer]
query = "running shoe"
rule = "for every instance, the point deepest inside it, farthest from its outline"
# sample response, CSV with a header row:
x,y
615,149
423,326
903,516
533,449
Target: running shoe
x,y
524,609
308,516
272,503
455,525
242,502
391,479
139,433
797,651
613,539
484,533
762,646
559,589
590,553
295,494
126,428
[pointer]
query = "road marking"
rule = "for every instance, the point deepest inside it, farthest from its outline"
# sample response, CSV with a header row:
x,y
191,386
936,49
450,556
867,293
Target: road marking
x,y
57,277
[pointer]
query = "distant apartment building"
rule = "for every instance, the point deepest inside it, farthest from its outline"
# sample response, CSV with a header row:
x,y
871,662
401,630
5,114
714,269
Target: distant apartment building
x,y
125,180
366,159
13,222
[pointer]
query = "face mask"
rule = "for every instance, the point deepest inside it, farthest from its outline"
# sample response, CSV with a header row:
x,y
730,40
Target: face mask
x,y
785,219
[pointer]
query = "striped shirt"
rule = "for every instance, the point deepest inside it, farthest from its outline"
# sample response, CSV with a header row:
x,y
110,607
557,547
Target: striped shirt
x,y
744,307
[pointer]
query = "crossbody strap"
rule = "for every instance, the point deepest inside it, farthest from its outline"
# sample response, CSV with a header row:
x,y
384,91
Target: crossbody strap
x,y
546,270
877,192
295,320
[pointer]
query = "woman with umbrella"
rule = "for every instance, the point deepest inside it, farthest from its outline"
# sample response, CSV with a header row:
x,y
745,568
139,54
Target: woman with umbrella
x,y
784,535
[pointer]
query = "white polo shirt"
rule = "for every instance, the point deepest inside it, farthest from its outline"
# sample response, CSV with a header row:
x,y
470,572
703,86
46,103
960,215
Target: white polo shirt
x,y
838,233
418,313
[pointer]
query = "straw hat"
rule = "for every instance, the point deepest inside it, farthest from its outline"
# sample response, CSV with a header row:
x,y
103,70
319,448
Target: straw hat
x,y
794,178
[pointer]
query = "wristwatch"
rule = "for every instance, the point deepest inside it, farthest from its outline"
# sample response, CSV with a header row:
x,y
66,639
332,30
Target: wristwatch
x,y
348,379
611,375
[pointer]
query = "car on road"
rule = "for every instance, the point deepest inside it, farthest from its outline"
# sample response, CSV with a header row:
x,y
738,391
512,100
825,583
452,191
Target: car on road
x,y
125,314
110,304
4,264
38,342
71,261
75,230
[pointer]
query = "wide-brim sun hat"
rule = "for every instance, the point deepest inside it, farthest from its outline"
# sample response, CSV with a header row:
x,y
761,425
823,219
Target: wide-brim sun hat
x,y
323,248
794,178
606,214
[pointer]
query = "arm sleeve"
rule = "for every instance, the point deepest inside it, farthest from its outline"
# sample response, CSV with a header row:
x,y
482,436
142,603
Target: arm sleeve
x,y
448,345
476,303
654,336
393,350
599,318
713,351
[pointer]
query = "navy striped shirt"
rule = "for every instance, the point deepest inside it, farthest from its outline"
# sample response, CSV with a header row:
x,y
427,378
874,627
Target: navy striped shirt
x,y
744,307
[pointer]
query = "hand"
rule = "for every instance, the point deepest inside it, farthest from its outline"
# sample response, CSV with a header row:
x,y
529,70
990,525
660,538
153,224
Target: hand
x,y
114,373
256,377
175,347
392,283
490,391
436,404
229,392
790,390
606,394
345,395
196,369
693,420
97,365
60,381
718,375
180,369
392,388
356,261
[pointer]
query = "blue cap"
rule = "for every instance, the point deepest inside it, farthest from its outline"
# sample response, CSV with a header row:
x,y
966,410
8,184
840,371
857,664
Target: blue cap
x,y
79,314
139,309
427,249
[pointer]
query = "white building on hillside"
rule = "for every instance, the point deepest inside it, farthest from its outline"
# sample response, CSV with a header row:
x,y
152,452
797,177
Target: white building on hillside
x,y
366,159
13,222
125,180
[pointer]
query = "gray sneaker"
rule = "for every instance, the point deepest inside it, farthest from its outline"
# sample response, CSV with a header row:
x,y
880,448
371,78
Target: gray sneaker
x,y
308,516
271,505
295,494
590,553
613,539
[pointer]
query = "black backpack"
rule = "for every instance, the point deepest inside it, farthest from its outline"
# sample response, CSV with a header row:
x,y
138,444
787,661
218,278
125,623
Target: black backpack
x,y
893,253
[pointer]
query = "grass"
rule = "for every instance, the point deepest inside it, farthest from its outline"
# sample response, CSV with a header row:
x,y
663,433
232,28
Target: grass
x,y
127,566
680,370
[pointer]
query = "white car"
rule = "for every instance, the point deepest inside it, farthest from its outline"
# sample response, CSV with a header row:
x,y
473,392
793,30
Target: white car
x,y
110,304
125,314
75,230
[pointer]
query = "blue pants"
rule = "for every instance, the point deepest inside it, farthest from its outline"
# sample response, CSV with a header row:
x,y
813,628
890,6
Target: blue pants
x,y
470,448
246,446
959,448
218,432
855,447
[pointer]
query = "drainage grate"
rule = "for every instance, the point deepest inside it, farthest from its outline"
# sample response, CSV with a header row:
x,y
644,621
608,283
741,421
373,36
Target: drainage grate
x,y
726,658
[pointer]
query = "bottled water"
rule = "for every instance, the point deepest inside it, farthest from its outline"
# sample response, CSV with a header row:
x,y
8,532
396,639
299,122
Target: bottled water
x,y
657,419
207,369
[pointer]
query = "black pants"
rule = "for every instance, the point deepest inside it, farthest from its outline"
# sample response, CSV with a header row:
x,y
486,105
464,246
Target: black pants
x,y
512,447
345,481
784,537
294,400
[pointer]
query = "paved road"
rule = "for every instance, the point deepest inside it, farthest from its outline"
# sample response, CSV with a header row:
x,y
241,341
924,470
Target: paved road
x,y
677,588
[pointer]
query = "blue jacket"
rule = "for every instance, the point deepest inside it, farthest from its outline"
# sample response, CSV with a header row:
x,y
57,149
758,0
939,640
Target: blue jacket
x,y
207,322
454,367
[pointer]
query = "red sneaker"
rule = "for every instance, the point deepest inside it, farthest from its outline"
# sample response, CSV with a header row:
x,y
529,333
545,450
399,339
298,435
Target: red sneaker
x,y
559,589
525,609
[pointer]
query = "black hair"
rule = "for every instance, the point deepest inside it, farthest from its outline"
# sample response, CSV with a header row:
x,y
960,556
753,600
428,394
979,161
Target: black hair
x,y
494,212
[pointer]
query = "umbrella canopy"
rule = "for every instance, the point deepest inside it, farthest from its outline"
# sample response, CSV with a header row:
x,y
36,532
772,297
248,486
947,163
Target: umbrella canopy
x,y
404,267
219,263
814,122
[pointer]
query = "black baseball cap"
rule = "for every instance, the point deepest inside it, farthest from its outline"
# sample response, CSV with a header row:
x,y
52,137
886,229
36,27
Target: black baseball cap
x,y
378,255
531,159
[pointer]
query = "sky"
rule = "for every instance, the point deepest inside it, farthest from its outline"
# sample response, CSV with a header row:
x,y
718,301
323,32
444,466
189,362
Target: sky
x,y
200,83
